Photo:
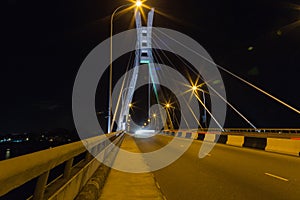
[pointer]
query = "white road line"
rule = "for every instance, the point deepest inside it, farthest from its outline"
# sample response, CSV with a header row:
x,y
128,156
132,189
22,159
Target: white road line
x,y
157,185
206,154
278,177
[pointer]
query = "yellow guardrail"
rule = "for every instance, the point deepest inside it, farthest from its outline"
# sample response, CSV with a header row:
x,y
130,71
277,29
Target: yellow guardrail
x,y
19,170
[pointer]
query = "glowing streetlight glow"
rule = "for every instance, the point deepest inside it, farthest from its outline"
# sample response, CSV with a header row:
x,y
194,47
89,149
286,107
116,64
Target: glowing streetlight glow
x,y
250,48
149,120
138,3
154,115
168,105
130,105
145,124
194,88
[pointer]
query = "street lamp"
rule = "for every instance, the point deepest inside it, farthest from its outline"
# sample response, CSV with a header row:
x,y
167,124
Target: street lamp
x,y
195,88
203,103
168,106
137,4
154,117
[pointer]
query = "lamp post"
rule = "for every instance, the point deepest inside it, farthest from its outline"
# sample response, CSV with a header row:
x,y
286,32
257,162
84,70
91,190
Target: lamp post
x,y
204,111
168,106
195,88
154,117
138,4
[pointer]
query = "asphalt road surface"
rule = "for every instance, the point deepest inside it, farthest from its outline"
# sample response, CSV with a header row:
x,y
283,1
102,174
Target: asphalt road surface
x,y
226,173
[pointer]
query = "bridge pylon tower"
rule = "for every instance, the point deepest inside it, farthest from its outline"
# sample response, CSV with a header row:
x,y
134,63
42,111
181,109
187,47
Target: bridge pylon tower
x,y
143,56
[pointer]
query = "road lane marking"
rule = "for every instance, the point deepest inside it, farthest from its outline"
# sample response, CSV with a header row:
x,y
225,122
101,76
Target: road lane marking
x,y
206,154
157,185
278,177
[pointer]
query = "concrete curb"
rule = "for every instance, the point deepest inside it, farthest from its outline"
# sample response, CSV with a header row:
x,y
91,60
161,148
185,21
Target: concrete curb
x,y
288,146
285,146
235,140
92,189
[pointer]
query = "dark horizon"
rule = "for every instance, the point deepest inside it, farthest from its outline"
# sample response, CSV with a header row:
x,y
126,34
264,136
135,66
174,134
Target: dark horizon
x,y
46,42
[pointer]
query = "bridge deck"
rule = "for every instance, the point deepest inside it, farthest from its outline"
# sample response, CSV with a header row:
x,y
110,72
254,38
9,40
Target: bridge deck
x,y
122,185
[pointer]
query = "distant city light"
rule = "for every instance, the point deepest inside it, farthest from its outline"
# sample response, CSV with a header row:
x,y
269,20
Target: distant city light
x,y
279,33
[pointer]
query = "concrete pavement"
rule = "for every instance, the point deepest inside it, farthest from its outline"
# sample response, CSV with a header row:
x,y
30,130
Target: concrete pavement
x,y
121,185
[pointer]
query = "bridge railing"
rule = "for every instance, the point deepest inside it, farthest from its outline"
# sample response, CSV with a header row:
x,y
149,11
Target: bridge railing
x,y
284,140
17,171
250,130
261,132
264,130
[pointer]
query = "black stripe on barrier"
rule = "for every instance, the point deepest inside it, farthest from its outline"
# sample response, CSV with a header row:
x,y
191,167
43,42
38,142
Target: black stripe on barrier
x,y
200,136
173,133
222,139
256,143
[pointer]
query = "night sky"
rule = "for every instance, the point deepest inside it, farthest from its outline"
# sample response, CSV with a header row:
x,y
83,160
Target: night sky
x,y
45,43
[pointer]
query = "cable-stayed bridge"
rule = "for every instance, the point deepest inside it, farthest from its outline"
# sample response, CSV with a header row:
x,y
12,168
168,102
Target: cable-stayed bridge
x,y
179,150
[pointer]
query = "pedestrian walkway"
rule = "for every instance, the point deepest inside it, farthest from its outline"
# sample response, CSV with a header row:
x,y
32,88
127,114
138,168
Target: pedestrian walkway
x,y
121,185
